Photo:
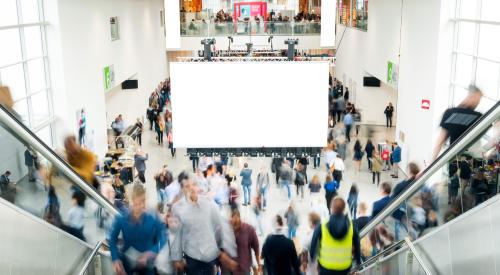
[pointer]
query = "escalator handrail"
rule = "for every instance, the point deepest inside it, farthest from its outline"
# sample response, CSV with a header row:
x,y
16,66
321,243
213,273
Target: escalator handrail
x,y
36,143
470,135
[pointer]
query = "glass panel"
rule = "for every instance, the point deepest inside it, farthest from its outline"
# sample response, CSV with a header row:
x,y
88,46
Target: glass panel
x,y
8,13
466,34
463,73
21,108
33,38
468,9
489,42
45,135
11,47
40,108
489,10
13,76
487,77
29,10
344,11
360,14
45,192
36,72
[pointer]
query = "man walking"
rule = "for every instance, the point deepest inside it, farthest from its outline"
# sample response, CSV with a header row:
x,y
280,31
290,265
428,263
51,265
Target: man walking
x,y
396,159
389,110
140,158
29,161
246,241
334,241
348,121
246,181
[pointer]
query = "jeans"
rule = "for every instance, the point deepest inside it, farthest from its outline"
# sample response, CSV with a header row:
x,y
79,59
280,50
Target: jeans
x,y
195,267
317,161
141,176
195,161
339,115
286,183
31,173
348,132
300,189
246,194
292,232
147,270
139,139
159,137
263,194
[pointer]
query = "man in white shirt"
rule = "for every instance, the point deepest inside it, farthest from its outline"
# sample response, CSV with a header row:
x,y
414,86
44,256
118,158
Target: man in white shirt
x,y
339,166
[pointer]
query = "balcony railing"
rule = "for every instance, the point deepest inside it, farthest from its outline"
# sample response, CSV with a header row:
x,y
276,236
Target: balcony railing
x,y
211,29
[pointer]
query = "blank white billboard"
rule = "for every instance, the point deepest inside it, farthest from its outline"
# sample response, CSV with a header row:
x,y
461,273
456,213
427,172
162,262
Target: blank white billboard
x,y
249,104
328,18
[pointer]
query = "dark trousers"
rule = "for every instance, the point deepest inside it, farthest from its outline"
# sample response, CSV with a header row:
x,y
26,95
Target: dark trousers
x,y
139,139
378,177
195,161
369,162
81,135
317,161
172,151
324,271
339,115
151,123
136,270
348,132
195,267
159,137
141,176
388,121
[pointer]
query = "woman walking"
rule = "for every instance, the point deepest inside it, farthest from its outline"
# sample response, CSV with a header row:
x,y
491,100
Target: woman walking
x,y
159,129
376,166
358,155
369,152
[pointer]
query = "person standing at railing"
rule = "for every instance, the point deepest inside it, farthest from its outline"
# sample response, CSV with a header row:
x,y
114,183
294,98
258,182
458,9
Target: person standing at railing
x,y
458,120
336,242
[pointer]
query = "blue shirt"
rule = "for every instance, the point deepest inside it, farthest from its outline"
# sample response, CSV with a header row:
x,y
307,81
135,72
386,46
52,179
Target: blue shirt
x,y
146,234
246,175
348,119
396,155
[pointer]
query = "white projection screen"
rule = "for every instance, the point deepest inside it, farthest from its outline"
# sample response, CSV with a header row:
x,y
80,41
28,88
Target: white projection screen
x,y
249,104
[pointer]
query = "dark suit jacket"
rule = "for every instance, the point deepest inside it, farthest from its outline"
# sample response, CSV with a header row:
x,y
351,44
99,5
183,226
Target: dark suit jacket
x,y
380,204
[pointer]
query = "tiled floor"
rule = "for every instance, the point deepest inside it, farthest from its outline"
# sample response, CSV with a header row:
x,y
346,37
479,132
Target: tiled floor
x,y
277,202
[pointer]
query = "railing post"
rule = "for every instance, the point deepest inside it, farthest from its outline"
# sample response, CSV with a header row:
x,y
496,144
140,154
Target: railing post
x,y
409,262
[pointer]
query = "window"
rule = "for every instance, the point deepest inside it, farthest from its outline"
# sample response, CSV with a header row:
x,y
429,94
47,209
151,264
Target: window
x,y
23,62
353,13
476,55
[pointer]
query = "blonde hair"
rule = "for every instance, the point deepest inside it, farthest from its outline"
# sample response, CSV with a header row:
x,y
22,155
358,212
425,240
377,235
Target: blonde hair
x,y
315,179
6,97
138,191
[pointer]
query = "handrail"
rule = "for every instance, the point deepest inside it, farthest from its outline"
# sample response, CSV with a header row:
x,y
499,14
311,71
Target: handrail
x,y
484,122
383,252
443,159
30,138
417,256
90,258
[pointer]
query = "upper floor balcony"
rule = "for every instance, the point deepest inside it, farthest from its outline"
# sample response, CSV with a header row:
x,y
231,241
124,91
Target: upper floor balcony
x,y
249,28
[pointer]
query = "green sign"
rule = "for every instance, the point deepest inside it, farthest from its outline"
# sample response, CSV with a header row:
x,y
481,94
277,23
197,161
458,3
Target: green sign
x,y
109,77
392,74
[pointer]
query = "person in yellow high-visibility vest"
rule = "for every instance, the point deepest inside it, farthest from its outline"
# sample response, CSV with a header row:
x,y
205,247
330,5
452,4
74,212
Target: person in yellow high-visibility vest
x,y
336,242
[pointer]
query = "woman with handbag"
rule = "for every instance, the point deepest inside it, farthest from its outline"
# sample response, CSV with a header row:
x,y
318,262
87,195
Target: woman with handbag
x,y
358,155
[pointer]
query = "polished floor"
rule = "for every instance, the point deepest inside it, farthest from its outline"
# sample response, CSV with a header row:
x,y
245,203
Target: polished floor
x,y
277,200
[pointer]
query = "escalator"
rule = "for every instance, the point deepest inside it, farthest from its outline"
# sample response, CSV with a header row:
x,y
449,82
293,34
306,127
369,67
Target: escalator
x,y
34,237
444,222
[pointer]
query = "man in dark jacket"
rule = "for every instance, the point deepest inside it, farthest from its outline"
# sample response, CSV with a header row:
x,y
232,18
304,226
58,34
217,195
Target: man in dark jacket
x,y
334,241
29,161
400,214
385,188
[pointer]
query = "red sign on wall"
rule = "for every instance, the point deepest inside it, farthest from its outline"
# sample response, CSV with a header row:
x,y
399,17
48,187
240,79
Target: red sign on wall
x,y
426,104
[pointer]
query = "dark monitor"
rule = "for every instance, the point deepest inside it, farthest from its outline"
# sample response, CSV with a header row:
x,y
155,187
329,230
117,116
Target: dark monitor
x,y
369,81
130,84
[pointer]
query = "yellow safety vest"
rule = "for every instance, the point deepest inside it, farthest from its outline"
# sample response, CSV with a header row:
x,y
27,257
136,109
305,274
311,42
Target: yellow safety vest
x,y
335,254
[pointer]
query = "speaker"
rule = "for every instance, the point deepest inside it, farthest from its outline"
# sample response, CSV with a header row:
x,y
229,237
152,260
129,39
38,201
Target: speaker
x,y
130,84
369,81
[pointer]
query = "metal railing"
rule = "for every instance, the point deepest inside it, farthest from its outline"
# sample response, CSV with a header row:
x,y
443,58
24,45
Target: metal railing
x,y
211,29
89,259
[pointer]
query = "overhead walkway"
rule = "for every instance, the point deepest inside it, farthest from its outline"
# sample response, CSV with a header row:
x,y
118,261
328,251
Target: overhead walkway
x,y
422,231
33,239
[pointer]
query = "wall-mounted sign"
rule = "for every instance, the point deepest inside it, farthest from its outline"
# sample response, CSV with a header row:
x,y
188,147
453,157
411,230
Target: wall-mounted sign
x,y
109,77
392,74
426,104
115,30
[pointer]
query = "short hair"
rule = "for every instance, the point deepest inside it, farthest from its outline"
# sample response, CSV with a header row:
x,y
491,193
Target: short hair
x,y
413,168
138,191
395,142
338,206
329,177
8,172
245,165
279,220
362,207
79,197
120,164
386,187
182,177
314,218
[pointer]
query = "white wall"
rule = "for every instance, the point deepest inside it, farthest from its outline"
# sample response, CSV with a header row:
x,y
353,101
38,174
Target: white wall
x,y
305,42
418,36
80,47
351,59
